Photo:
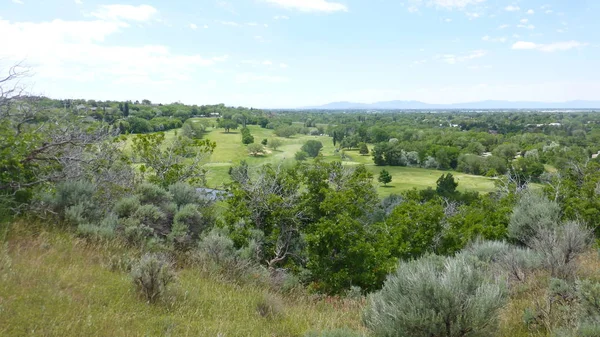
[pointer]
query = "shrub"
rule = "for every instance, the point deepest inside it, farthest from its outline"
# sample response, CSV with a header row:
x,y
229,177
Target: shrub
x,y
558,247
105,230
193,220
150,216
433,297
217,246
127,206
183,194
134,231
152,274
301,155
532,213
152,194
589,297
70,193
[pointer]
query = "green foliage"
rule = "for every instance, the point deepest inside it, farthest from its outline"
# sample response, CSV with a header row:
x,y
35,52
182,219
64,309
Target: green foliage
x,y
334,333
247,138
301,156
312,147
446,186
384,177
275,143
228,124
152,194
285,131
168,162
436,297
191,219
183,194
264,142
127,206
363,149
152,275
255,149
532,213
217,246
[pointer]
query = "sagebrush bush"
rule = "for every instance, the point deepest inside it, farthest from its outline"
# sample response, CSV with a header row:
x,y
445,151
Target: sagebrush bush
x,y
217,246
184,194
589,296
127,206
558,247
516,262
135,232
153,194
151,216
435,297
152,275
70,193
533,212
106,229
191,218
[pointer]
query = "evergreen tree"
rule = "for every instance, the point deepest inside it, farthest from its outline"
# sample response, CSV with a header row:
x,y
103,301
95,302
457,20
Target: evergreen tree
x,y
384,177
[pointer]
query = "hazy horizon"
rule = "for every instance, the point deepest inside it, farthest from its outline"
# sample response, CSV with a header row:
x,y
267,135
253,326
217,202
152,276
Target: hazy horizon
x,y
298,53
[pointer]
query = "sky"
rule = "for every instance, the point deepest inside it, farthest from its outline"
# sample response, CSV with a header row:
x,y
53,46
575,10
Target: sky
x,y
294,53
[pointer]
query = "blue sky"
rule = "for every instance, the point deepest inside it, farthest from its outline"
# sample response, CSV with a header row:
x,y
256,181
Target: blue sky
x,y
292,53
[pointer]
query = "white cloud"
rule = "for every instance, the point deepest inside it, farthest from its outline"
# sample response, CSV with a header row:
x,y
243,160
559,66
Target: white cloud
x,y
413,9
205,26
448,20
524,20
260,39
503,26
18,2
531,12
267,63
193,26
283,65
530,26
252,24
281,17
229,23
560,31
78,2
512,8
473,15
75,50
549,11
310,5
449,4
486,38
125,12
551,47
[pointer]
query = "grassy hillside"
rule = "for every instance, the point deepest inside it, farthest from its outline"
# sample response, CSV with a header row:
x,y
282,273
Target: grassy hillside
x,y
230,151
53,284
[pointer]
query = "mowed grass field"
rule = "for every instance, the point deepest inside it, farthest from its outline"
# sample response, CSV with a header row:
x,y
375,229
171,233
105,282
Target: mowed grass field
x,y
230,151
55,284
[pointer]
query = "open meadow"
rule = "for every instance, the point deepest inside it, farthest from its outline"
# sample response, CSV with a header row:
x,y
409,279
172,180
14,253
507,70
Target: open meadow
x,y
230,151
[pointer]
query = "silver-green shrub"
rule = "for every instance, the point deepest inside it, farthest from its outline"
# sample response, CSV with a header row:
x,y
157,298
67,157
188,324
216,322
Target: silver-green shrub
x,y
184,194
533,212
435,297
152,274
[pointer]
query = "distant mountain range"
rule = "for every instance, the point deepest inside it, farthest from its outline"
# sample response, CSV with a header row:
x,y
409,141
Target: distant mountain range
x,y
416,105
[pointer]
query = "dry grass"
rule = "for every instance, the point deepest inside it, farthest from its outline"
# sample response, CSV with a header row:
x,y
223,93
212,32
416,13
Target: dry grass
x,y
59,285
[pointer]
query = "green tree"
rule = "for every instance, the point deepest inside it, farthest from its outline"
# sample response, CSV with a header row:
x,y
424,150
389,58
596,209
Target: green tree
x,y
255,149
301,156
446,186
247,138
166,162
384,177
228,124
264,142
312,147
275,143
363,149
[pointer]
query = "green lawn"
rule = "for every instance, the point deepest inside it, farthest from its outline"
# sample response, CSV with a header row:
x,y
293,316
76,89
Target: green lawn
x,y
230,151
